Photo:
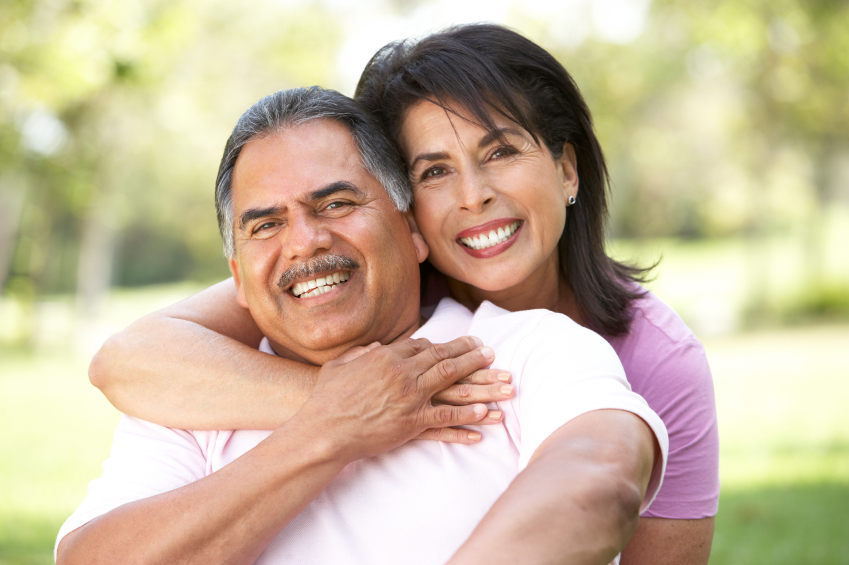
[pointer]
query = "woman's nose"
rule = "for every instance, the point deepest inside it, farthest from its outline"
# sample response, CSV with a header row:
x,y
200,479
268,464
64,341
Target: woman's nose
x,y
475,192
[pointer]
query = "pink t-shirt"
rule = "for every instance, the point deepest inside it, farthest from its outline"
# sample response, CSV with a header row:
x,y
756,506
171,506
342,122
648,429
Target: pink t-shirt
x,y
418,503
666,365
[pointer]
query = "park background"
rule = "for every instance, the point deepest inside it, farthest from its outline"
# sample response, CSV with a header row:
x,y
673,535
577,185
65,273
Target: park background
x,y
726,127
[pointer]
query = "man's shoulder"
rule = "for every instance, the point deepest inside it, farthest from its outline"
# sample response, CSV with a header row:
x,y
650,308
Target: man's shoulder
x,y
536,328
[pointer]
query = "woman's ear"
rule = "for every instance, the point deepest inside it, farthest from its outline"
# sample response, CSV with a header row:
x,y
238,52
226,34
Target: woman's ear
x,y
422,250
237,278
567,166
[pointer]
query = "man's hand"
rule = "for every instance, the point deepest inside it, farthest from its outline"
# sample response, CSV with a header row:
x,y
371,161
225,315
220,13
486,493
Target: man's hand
x,y
375,398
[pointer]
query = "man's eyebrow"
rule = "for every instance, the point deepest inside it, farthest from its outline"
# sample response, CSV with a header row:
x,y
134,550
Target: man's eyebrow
x,y
497,134
333,188
252,214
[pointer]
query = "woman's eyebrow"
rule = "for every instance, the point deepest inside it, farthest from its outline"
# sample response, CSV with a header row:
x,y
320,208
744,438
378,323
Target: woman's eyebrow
x,y
497,134
429,157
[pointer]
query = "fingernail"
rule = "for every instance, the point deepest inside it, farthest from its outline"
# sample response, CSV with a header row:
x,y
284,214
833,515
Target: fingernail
x,y
495,414
507,390
480,409
477,340
474,436
488,353
504,377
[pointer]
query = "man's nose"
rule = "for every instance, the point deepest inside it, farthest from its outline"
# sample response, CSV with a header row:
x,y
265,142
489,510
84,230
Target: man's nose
x,y
475,193
306,236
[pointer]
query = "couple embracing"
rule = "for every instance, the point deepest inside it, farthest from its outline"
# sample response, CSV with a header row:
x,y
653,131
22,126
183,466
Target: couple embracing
x,y
462,194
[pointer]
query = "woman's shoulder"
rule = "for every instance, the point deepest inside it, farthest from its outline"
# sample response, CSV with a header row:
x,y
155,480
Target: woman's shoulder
x,y
659,344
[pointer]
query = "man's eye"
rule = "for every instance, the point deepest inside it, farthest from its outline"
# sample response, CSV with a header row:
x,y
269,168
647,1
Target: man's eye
x,y
264,226
335,205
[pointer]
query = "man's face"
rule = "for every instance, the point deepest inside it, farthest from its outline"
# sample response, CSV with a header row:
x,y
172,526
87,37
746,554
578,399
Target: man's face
x,y
305,208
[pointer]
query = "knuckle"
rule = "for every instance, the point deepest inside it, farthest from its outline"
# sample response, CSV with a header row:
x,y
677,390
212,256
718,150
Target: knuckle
x,y
437,433
440,351
447,369
444,416
464,391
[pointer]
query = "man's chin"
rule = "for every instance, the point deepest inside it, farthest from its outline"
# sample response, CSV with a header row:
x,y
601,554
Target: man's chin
x,y
319,346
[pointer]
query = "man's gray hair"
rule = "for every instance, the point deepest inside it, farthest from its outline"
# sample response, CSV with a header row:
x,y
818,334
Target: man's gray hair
x,y
289,108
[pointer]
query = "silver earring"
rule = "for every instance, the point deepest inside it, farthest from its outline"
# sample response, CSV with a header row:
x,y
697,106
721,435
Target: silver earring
x,y
571,200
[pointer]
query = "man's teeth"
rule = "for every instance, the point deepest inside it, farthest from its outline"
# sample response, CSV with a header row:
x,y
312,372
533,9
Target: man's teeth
x,y
494,237
320,285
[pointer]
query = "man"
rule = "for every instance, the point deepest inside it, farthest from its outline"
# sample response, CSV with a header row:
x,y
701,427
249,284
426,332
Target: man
x,y
312,196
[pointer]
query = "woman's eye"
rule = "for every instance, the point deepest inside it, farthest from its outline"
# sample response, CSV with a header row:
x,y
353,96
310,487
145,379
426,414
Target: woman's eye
x,y
433,172
503,152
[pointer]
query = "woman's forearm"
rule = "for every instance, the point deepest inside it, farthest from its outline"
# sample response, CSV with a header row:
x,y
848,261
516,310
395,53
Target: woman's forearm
x,y
194,365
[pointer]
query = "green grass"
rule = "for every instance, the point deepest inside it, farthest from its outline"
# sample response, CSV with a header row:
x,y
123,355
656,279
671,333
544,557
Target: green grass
x,y
790,524
783,427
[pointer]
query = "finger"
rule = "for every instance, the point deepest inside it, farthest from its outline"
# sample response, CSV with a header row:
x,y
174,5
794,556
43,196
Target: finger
x,y
467,393
410,347
487,376
354,353
450,435
445,416
447,372
443,351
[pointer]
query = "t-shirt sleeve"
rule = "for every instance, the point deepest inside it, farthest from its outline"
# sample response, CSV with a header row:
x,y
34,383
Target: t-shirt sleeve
x,y
679,387
571,371
146,460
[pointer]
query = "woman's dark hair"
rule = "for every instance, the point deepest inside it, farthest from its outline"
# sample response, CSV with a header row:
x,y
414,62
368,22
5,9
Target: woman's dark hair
x,y
485,67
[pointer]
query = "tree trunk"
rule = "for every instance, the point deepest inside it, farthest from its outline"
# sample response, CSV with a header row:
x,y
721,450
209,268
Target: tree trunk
x,y
13,190
96,258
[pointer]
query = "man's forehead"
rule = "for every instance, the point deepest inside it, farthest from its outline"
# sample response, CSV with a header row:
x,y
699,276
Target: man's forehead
x,y
297,161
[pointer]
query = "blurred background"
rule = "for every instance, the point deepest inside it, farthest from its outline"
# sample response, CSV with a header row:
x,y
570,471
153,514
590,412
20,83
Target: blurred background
x,y
726,126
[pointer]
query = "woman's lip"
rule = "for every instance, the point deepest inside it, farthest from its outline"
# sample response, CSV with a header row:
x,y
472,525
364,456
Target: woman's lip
x,y
487,227
495,249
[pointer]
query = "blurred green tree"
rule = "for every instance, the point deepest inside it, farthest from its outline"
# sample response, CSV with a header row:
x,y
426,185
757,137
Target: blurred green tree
x,y
113,117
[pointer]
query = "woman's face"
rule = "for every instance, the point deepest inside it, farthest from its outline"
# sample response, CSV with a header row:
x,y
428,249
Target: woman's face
x,y
492,211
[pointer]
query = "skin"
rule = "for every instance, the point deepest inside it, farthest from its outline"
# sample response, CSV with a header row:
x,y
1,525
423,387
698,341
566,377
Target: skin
x,y
461,180
594,470
463,177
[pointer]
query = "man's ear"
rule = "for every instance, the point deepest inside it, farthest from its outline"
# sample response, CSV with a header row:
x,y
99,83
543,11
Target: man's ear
x,y
567,166
237,278
422,250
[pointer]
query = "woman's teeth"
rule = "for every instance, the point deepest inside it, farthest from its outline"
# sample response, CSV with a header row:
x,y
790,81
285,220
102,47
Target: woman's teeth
x,y
483,241
320,285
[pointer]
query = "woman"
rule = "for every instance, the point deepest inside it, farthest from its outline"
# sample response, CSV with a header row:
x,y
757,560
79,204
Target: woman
x,y
509,187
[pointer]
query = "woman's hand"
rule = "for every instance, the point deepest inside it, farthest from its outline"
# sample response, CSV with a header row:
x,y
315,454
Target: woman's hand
x,y
375,398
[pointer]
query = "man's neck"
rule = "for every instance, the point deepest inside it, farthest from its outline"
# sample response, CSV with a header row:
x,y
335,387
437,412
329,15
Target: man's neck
x,y
320,357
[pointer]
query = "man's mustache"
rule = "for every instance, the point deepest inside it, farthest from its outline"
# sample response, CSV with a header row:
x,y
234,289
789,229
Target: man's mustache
x,y
315,267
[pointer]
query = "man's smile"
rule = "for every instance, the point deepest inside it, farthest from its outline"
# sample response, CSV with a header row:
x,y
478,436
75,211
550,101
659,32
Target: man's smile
x,y
320,285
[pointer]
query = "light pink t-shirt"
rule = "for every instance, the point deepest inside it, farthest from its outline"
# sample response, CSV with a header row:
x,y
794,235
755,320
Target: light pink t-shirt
x,y
417,503
665,364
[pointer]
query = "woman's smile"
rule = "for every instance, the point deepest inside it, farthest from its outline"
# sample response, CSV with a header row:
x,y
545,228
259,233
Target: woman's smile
x,y
491,238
